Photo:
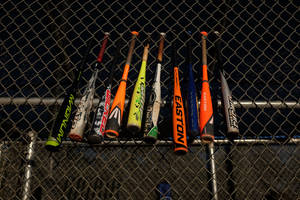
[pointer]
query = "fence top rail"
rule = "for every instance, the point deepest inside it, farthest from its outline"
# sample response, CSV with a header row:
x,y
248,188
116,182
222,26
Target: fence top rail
x,y
238,104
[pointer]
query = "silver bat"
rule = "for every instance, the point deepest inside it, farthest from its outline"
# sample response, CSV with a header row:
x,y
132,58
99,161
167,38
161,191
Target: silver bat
x,y
230,114
229,110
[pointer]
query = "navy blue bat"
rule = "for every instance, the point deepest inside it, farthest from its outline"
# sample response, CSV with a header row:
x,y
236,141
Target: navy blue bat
x,y
191,99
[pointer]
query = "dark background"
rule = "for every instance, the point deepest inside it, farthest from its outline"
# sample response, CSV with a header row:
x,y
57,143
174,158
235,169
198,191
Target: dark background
x,y
42,43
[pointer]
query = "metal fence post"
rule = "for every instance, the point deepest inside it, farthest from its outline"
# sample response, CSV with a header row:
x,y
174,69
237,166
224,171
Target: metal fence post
x,y
213,170
29,161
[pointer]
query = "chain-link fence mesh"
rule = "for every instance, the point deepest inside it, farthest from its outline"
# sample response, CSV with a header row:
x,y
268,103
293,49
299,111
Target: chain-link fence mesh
x,y
42,43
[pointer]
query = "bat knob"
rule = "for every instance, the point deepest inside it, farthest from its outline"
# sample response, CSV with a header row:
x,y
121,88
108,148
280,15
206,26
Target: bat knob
x,y
204,33
135,33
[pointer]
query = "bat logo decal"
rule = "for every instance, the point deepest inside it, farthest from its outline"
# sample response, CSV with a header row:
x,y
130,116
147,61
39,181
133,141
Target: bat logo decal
x,y
180,125
116,114
232,115
139,104
63,126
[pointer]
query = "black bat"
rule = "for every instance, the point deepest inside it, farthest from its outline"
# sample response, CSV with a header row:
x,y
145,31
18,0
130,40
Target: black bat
x,y
62,124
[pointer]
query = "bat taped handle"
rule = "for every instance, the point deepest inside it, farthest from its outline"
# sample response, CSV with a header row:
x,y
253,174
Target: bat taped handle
x,y
204,53
161,47
104,43
132,44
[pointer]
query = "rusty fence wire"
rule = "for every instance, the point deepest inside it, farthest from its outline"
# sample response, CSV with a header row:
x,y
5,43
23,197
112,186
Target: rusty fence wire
x,y
42,43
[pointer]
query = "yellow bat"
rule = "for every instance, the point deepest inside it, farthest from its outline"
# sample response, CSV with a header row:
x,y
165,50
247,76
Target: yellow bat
x,y
134,123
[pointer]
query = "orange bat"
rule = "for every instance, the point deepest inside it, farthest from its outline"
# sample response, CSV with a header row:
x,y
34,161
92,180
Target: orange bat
x,y
116,111
179,126
206,109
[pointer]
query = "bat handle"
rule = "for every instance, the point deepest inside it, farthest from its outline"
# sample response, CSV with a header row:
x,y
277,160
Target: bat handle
x,y
104,43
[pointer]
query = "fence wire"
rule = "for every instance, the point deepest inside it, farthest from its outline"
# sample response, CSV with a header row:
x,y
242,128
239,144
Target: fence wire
x,y
42,43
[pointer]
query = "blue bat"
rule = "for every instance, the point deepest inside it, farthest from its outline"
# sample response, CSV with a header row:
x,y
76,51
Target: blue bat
x,y
191,99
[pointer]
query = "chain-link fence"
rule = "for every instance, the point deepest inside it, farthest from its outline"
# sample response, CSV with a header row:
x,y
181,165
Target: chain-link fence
x,y
42,43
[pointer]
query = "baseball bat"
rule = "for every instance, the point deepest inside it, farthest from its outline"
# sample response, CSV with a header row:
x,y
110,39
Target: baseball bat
x,y
179,126
116,111
86,102
206,109
96,135
228,105
191,99
134,122
154,103
63,120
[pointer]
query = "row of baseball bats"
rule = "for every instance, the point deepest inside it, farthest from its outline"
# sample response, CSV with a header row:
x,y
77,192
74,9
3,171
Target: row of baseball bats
x,y
108,117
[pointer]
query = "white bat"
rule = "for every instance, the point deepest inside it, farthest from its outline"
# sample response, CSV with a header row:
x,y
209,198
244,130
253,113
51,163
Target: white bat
x,y
153,107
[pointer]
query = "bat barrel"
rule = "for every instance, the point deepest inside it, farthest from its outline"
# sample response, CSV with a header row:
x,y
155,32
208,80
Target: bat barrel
x,y
179,124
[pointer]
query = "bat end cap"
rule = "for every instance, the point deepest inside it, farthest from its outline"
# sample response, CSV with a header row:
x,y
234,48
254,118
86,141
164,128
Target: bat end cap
x,y
94,139
217,33
52,144
206,138
150,139
133,129
181,151
204,33
135,33
75,137
111,134
163,34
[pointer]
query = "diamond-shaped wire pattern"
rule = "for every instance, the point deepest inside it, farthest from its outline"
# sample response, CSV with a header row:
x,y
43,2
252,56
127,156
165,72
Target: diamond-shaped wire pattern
x,y
42,43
